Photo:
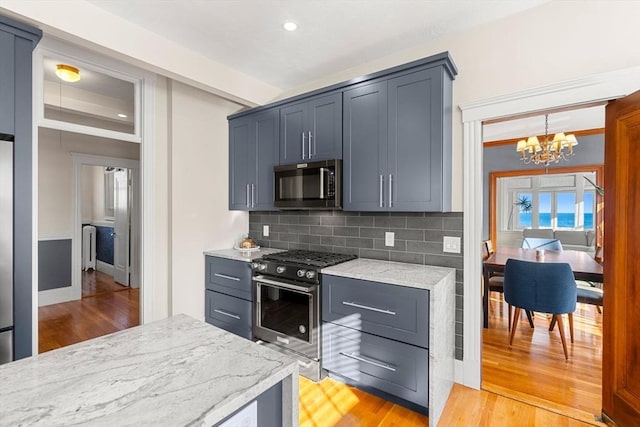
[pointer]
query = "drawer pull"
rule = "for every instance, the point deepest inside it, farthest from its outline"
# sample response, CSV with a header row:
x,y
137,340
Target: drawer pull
x,y
370,361
224,313
378,310
224,276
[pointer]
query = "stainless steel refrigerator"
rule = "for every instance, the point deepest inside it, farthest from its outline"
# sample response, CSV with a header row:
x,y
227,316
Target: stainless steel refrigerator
x,y
6,248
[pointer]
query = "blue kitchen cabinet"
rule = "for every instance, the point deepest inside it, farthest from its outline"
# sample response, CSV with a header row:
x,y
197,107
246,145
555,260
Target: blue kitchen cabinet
x,y
311,130
253,152
228,296
397,142
376,336
17,42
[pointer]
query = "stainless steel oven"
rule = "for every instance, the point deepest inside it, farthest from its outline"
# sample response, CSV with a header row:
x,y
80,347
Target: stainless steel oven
x,y
286,312
312,185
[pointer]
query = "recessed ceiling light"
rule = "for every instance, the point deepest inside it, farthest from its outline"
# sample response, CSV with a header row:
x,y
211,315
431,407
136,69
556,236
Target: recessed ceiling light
x,y
122,115
290,26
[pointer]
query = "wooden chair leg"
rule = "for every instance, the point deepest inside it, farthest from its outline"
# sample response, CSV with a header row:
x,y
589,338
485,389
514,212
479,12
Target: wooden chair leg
x,y
571,326
553,323
558,318
599,309
509,308
516,316
529,317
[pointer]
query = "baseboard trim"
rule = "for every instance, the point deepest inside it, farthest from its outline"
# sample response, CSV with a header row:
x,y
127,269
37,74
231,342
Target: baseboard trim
x,y
56,296
104,267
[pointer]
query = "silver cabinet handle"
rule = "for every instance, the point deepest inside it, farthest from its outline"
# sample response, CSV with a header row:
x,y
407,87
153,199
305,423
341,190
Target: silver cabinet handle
x,y
224,276
113,234
381,188
247,196
253,195
303,155
370,361
390,190
365,307
224,313
311,153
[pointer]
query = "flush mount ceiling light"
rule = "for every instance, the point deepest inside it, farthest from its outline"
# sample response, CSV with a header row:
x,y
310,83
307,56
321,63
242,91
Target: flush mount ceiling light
x,y
290,26
548,150
67,73
122,115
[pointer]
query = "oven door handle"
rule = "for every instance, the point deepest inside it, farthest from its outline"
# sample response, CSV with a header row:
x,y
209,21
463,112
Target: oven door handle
x,y
304,289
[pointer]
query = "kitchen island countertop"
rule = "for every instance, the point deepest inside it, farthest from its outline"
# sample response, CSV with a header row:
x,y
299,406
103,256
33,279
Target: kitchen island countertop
x,y
177,371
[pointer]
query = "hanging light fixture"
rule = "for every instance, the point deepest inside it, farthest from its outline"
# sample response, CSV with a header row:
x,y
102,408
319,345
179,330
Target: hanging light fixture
x,y
548,151
67,73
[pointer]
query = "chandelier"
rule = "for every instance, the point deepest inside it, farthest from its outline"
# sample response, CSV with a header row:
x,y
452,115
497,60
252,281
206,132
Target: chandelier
x,y
546,151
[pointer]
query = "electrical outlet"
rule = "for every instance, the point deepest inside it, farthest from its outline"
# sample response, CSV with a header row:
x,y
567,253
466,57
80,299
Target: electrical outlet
x,y
265,231
389,238
451,244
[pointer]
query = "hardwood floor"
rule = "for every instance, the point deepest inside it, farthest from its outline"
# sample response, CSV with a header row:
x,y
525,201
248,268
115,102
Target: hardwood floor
x,y
330,403
108,307
534,369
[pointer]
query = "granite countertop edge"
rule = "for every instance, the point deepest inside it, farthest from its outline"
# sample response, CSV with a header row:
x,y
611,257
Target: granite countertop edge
x,y
391,272
238,255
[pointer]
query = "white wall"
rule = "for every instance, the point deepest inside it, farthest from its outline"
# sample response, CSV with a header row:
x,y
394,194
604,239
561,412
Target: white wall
x,y
87,178
55,175
200,218
557,41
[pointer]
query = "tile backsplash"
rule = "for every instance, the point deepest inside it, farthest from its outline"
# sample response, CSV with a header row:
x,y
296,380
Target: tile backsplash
x,y
417,239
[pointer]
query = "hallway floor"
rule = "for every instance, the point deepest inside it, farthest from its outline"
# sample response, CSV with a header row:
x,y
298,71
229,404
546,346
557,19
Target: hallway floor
x,y
105,307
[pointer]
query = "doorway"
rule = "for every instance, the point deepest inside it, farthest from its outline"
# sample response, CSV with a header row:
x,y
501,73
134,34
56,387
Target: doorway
x,y
588,90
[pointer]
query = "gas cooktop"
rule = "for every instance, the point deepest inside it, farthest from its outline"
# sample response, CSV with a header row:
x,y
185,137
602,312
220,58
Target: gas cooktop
x,y
309,258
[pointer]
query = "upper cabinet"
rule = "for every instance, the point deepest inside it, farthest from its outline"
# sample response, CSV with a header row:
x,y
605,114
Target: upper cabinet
x,y
253,152
311,130
391,128
397,143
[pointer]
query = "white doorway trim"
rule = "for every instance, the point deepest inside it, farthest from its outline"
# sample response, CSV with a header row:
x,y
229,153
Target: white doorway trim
x,y
80,160
592,89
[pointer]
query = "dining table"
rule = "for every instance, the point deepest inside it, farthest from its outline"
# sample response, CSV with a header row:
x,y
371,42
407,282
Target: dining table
x,y
582,264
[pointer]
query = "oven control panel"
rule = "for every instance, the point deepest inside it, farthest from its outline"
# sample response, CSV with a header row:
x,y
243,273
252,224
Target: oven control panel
x,y
286,271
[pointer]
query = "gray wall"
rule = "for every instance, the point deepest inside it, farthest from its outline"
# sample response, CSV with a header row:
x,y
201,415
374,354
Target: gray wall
x,y
54,264
589,151
418,238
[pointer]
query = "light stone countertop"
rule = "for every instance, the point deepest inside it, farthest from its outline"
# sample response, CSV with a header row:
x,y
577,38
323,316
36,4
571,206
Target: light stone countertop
x,y
394,273
177,371
242,255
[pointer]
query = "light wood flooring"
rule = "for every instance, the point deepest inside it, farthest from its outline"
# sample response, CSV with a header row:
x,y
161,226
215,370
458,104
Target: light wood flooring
x,y
105,307
534,369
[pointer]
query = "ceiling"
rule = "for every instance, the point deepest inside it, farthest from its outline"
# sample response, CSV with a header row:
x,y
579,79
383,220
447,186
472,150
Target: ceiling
x,y
332,35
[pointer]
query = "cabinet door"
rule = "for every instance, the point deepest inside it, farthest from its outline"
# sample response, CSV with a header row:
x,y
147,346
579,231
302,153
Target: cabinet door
x,y
415,156
293,135
325,125
365,147
267,133
241,162
7,83
229,313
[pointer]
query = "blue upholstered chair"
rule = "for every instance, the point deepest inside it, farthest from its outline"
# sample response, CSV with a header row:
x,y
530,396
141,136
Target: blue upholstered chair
x,y
536,243
541,287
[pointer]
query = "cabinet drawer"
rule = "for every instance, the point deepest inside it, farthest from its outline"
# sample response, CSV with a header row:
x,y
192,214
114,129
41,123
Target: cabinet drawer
x,y
395,312
229,277
229,313
390,366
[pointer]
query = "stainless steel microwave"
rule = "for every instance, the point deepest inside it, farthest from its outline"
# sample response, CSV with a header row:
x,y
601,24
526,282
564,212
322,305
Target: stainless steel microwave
x,y
312,185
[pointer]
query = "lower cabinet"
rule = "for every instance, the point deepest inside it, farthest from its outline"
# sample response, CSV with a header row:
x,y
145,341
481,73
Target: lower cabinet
x,y
229,313
390,366
376,337
228,297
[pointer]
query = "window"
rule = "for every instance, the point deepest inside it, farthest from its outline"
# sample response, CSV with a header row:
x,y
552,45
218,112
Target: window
x,y
556,201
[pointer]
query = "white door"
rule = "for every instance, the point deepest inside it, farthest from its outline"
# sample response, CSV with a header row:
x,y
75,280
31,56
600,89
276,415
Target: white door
x,y
121,228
